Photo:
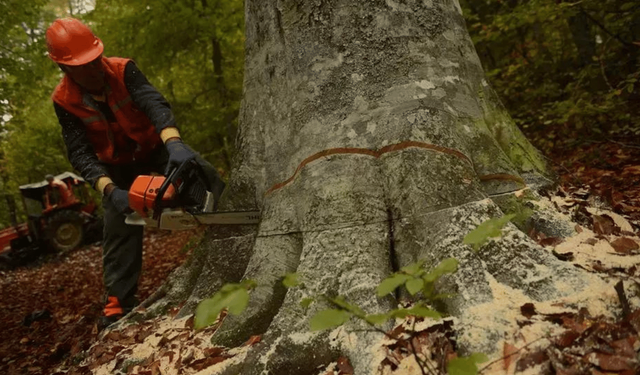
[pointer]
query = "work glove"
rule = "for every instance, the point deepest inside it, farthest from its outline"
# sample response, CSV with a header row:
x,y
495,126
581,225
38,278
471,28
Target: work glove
x,y
120,200
178,154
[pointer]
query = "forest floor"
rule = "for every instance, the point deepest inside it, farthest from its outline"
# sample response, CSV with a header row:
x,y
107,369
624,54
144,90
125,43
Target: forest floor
x,y
49,310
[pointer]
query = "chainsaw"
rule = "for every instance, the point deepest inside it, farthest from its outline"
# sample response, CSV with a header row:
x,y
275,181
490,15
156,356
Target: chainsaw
x,y
180,201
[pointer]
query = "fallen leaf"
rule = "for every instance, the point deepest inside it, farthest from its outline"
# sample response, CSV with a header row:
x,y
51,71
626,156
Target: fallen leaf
x,y
611,362
189,322
509,353
603,225
632,169
550,241
565,257
214,352
567,339
625,245
344,366
625,347
528,310
531,359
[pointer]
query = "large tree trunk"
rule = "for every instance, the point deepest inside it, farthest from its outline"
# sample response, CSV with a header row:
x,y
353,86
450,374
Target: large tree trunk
x,y
369,139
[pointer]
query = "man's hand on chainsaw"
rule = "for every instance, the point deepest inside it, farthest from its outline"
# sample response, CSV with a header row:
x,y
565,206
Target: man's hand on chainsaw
x,y
178,154
118,197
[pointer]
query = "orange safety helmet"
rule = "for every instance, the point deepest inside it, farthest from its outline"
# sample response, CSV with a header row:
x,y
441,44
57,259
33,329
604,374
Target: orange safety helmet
x,y
70,42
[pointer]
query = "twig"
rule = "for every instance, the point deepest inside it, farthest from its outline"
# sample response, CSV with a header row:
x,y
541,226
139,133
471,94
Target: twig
x,y
422,364
603,28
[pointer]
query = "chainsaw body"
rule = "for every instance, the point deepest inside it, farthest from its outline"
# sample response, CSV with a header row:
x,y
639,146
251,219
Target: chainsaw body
x,y
179,201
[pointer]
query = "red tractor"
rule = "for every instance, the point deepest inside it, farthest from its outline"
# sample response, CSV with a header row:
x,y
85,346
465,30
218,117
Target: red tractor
x,y
61,216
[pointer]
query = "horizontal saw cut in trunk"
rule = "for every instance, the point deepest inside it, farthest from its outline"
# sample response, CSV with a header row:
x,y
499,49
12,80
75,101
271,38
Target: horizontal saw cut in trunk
x,y
368,139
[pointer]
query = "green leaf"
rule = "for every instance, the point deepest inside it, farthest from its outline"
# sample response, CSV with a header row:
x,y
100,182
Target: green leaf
x,y
479,357
390,284
291,280
462,366
489,229
306,302
329,318
233,297
423,312
341,302
377,319
414,285
413,268
248,284
206,313
399,313
466,365
237,301
449,265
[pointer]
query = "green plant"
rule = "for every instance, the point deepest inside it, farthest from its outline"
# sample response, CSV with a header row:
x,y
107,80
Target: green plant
x,y
415,278
488,229
233,297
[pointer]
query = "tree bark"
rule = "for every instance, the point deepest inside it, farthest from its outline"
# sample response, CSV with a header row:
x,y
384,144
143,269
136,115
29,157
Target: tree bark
x,y
369,139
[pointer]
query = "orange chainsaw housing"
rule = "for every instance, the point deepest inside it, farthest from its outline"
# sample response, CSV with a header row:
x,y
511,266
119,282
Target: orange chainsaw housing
x,y
143,193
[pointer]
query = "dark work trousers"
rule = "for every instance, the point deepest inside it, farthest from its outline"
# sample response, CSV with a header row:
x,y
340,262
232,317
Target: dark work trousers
x,y
122,243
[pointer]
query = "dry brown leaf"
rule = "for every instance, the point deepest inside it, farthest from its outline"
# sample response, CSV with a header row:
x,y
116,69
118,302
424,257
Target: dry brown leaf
x,y
591,241
531,359
528,310
189,322
214,352
625,347
567,339
509,353
603,225
625,245
611,362
632,169
344,366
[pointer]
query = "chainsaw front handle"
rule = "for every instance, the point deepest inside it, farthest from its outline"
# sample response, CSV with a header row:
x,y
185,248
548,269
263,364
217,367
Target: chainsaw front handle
x,y
171,179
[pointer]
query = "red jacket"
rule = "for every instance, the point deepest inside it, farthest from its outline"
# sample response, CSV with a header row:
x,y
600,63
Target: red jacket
x,y
132,137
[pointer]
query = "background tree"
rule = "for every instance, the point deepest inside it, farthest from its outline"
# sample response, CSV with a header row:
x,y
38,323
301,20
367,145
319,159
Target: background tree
x,y
191,50
31,144
567,71
369,139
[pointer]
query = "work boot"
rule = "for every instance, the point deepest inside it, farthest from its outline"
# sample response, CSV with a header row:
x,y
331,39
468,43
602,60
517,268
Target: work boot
x,y
106,321
113,311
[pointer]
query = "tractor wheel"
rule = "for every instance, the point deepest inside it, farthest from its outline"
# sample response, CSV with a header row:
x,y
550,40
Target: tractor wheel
x,y
65,230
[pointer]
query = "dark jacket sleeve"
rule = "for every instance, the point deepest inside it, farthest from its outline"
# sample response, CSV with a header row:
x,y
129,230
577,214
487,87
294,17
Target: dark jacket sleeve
x,y
79,150
147,98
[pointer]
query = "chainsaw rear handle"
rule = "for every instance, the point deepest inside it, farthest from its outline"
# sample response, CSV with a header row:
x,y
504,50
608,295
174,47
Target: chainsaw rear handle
x,y
188,172
170,180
